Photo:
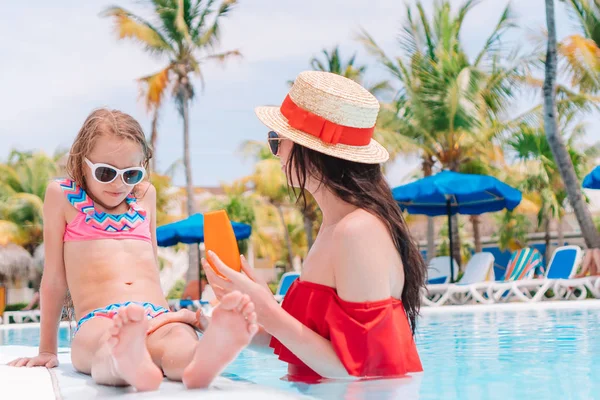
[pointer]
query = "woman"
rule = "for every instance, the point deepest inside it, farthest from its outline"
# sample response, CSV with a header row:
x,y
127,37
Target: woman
x,y
359,292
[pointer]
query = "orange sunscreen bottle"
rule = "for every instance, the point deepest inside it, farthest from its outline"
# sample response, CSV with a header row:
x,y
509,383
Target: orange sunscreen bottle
x,y
219,237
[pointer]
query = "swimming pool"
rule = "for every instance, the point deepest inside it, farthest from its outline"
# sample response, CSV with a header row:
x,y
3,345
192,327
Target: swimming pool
x,y
549,350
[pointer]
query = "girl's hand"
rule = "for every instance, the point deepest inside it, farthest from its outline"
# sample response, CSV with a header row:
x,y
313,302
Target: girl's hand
x,y
259,293
48,360
196,319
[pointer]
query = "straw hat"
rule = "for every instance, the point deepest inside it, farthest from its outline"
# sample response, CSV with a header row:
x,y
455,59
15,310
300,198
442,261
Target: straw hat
x,y
329,114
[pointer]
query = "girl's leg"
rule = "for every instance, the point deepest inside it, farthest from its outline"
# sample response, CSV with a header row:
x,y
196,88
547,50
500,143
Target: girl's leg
x,y
114,351
172,348
182,357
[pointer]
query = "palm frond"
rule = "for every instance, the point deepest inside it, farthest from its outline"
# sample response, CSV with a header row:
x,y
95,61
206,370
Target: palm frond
x,y
493,43
153,88
224,56
211,36
181,24
130,26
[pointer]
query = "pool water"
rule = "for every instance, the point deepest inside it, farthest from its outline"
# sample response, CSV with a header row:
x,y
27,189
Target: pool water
x,y
496,354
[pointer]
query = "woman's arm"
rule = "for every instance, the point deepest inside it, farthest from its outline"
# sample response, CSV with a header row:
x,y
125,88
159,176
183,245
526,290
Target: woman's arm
x,y
313,349
363,260
53,287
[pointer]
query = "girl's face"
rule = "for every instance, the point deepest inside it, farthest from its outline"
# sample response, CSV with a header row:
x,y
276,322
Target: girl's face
x,y
118,153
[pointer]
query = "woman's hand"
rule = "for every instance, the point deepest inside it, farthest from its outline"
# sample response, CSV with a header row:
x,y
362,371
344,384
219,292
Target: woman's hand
x,y
48,360
246,282
215,284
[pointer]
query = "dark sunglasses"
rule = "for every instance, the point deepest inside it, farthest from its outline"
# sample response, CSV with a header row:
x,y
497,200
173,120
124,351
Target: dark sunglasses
x,y
274,140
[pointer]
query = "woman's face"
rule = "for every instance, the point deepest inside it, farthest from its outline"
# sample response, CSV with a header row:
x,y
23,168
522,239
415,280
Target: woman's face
x,y
285,150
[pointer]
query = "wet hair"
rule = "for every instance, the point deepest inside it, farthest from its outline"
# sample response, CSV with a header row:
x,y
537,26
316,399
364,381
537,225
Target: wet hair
x,y
364,186
104,122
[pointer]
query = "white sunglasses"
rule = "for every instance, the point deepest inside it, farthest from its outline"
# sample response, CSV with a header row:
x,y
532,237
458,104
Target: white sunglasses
x,y
105,173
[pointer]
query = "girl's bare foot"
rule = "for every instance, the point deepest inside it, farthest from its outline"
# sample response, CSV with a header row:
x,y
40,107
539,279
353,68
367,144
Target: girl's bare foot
x,y
232,326
127,345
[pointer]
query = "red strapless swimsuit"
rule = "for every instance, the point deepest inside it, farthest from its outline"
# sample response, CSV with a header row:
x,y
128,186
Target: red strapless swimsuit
x,y
372,339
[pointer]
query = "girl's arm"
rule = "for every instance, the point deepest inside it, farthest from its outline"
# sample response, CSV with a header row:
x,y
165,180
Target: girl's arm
x,y
54,283
150,199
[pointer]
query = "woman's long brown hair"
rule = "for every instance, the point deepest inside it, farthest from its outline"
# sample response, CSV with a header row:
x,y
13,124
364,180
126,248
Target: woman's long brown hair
x,y
364,186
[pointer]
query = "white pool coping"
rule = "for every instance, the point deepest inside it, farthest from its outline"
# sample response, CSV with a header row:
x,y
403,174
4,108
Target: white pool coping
x,y
590,304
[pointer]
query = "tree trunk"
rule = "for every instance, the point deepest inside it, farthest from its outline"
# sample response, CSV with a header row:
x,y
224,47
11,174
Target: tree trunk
x,y
427,166
308,229
547,239
194,267
476,221
288,240
561,232
555,140
456,253
154,139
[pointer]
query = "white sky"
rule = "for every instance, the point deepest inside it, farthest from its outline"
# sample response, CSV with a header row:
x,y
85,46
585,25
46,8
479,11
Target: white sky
x,y
60,62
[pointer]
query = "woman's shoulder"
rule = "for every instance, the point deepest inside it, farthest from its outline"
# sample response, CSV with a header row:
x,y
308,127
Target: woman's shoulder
x,y
362,257
359,225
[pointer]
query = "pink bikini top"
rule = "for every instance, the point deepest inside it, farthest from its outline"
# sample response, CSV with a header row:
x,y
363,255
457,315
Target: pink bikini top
x,y
89,224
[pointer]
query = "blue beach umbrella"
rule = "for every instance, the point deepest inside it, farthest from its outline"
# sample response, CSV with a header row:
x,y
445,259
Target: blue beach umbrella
x,y
592,180
449,193
191,230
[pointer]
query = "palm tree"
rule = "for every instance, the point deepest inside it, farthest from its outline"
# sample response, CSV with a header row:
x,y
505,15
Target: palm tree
x,y
185,33
556,142
307,205
581,51
268,182
239,208
512,229
23,181
450,107
335,64
541,177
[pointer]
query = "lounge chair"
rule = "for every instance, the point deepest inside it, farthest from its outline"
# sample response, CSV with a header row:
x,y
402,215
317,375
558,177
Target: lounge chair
x,y
438,278
21,316
438,270
566,287
563,265
284,284
521,267
478,270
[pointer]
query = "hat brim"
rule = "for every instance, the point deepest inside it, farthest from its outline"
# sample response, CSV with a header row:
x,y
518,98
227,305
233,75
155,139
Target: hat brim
x,y
373,153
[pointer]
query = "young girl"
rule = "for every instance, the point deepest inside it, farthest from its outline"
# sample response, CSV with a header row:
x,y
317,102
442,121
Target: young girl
x,y
100,243
353,311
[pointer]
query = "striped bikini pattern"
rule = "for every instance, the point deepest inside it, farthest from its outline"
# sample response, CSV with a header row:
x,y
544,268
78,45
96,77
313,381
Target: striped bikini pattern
x,y
101,220
151,311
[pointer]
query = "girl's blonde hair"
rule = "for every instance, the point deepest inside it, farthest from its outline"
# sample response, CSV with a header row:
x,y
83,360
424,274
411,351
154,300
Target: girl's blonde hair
x,y
104,122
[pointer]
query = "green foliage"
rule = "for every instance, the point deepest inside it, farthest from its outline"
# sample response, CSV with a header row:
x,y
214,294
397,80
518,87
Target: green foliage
x,y
513,229
177,290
